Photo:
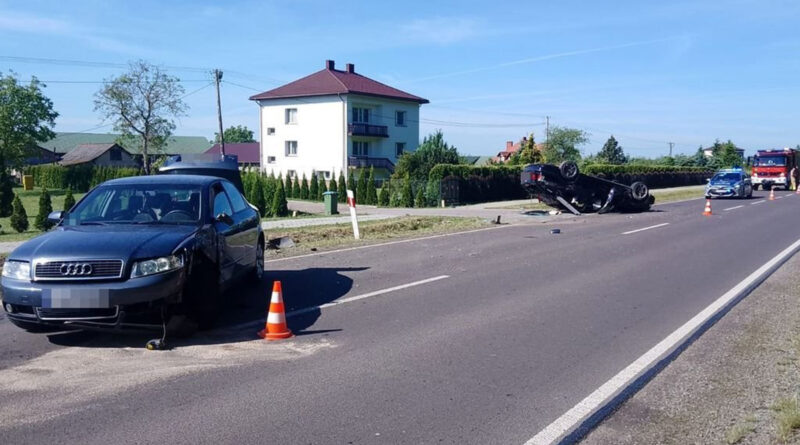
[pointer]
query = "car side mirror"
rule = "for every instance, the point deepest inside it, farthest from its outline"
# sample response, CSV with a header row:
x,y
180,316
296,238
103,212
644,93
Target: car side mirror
x,y
56,217
708,179
224,218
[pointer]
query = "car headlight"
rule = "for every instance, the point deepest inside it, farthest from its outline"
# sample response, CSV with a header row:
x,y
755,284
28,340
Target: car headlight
x,y
156,265
19,270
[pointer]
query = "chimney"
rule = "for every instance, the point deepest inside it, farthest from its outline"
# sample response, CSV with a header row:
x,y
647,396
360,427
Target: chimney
x,y
509,144
351,68
329,64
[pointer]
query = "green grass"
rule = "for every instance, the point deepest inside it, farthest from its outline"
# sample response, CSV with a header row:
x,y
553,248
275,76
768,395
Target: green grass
x,y
787,417
341,235
740,431
679,193
30,200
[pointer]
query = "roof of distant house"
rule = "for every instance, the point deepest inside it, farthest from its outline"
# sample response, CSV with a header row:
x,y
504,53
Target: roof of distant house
x,y
86,153
247,152
176,145
332,81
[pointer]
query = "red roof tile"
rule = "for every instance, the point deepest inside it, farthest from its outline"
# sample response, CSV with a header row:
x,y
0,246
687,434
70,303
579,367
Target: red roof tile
x,y
247,152
332,81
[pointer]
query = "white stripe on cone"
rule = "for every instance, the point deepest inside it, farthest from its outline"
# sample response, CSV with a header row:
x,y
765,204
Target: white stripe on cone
x,y
276,297
275,318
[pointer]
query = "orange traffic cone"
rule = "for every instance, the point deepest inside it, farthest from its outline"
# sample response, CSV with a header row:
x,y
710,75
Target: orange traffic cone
x,y
707,211
276,328
772,194
797,190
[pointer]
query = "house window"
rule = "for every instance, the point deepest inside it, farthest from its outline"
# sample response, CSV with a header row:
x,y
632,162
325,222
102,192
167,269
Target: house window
x,y
323,175
270,159
270,131
360,148
399,149
291,173
400,118
116,154
360,115
291,116
291,148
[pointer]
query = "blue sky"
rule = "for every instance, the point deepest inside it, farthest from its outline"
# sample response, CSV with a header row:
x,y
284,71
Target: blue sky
x,y
648,72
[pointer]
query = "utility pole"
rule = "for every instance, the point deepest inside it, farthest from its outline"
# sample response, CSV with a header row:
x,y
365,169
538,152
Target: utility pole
x,y
217,79
547,129
671,144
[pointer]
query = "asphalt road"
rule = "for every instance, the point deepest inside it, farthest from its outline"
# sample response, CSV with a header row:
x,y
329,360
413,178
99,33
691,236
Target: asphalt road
x,y
488,337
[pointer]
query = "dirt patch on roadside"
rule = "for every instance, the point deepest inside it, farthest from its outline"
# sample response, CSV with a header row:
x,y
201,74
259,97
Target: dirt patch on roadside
x,y
738,383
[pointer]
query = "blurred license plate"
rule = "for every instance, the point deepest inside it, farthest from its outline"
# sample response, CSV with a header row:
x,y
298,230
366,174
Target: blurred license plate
x,y
75,298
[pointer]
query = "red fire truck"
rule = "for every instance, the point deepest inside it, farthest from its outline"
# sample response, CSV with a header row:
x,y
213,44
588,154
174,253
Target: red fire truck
x,y
772,168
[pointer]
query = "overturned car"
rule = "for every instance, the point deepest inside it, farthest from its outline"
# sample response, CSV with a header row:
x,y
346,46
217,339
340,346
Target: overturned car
x,y
564,187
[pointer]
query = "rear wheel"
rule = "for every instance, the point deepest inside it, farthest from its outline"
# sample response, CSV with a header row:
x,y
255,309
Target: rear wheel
x,y
569,170
258,268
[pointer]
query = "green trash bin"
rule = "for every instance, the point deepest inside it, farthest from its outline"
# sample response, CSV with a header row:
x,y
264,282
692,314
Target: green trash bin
x,y
331,202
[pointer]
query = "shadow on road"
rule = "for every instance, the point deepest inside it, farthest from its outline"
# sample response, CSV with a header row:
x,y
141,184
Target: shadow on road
x,y
243,313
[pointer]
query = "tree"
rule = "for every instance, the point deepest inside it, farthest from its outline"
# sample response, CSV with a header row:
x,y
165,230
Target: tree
x,y
728,156
323,187
258,196
342,190
69,200
361,187
19,218
612,153
383,196
406,196
296,187
6,193
288,188
333,186
699,159
313,189
562,145
372,194
45,208
528,153
304,188
142,104
433,150
279,207
270,187
419,201
351,182
26,118
236,134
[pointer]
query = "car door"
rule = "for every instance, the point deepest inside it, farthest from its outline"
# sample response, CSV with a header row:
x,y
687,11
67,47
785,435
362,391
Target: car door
x,y
247,221
226,231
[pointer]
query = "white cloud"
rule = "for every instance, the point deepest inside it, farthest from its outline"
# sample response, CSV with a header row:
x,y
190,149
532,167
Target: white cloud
x,y
34,24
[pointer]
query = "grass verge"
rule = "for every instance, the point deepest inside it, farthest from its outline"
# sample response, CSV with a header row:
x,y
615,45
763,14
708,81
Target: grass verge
x,y
678,193
30,200
341,235
740,431
787,417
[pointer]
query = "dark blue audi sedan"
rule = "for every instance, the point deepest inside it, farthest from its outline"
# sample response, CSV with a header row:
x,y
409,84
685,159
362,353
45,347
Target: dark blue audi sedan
x,y
134,250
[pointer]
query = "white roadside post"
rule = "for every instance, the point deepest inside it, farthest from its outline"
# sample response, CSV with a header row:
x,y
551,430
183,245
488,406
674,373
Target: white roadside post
x,y
351,202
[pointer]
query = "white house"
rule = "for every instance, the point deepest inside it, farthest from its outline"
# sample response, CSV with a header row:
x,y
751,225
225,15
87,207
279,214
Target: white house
x,y
333,120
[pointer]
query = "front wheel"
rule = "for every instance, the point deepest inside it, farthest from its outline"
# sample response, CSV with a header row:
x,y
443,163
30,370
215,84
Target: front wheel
x,y
569,170
639,191
201,295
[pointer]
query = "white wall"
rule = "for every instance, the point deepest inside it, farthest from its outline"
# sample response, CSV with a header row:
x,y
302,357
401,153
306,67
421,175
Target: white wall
x,y
319,133
382,112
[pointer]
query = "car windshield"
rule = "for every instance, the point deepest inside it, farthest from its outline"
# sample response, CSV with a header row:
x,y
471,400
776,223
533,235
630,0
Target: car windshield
x,y
727,177
766,161
138,204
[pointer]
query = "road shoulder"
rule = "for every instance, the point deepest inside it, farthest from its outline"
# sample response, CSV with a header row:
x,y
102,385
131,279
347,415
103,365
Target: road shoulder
x,y
738,383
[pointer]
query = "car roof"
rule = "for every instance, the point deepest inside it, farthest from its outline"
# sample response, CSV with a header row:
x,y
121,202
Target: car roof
x,y
165,179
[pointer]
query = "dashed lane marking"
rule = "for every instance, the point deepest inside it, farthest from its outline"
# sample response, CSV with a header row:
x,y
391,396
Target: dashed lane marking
x,y
645,228
733,208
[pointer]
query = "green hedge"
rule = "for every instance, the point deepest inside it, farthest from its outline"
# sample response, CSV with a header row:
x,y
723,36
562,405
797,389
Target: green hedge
x,y
595,169
655,176
473,184
78,177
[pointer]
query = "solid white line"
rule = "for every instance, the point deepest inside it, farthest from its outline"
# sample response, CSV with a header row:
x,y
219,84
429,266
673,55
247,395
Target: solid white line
x,y
757,202
778,197
363,296
604,394
645,228
733,208
348,249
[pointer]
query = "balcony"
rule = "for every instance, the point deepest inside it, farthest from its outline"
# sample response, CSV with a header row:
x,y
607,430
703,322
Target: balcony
x,y
377,131
366,162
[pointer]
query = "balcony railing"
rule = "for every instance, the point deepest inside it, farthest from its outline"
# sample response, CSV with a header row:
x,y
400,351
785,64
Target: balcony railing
x,y
366,162
378,131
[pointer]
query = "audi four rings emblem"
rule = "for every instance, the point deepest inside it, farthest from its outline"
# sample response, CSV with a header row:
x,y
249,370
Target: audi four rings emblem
x,y
74,269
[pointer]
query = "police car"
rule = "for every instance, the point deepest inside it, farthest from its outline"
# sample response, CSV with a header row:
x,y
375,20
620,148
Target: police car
x,y
730,183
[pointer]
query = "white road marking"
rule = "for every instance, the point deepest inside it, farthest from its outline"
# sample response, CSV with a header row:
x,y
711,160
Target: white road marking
x,y
778,197
733,208
363,296
645,228
573,418
757,202
348,249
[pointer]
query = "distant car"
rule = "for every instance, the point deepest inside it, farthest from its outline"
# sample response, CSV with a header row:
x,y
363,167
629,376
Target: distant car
x,y
135,249
564,186
730,183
